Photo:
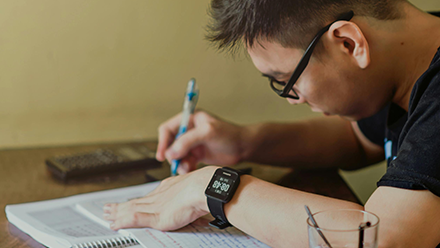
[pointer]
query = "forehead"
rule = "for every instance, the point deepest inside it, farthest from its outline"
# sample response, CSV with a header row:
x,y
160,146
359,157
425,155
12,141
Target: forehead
x,y
271,58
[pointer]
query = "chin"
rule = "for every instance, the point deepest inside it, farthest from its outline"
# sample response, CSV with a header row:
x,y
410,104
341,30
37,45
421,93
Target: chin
x,y
346,117
351,117
353,114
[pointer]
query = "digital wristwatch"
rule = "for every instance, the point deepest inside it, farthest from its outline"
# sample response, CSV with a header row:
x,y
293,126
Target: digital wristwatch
x,y
220,190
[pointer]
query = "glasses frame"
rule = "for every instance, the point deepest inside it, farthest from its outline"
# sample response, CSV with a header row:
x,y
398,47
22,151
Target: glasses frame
x,y
285,92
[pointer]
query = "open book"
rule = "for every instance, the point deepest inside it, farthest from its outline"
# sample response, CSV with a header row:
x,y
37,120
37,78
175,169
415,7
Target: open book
x,y
76,222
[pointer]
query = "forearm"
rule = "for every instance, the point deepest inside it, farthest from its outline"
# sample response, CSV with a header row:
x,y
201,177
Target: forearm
x,y
319,142
274,214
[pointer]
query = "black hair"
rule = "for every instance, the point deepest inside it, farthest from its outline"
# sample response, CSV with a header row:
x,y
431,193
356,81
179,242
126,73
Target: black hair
x,y
292,23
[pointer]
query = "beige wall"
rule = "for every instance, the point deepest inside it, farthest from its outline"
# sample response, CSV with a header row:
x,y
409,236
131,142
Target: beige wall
x,y
427,5
106,70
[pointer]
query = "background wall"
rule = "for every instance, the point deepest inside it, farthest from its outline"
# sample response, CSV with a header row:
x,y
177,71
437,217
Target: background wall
x,y
109,70
106,70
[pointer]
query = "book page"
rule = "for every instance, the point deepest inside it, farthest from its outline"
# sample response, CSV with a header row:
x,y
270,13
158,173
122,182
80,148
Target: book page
x,y
58,223
197,234
71,223
94,209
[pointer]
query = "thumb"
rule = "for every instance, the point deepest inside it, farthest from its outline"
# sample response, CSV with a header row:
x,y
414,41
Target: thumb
x,y
184,144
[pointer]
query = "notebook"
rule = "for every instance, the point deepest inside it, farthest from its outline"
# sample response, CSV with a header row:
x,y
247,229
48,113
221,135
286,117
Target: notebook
x,y
76,222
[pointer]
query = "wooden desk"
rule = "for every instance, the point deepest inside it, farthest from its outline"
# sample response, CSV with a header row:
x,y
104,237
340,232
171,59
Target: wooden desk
x,y
24,178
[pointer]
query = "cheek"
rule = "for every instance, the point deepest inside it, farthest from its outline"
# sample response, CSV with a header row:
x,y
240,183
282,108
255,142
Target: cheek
x,y
316,87
336,90
317,80
330,92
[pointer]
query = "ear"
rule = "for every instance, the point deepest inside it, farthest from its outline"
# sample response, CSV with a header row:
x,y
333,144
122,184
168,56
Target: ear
x,y
350,40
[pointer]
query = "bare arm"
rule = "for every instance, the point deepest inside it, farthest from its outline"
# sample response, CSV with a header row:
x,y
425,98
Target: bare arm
x,y
408,218
318,142
275,215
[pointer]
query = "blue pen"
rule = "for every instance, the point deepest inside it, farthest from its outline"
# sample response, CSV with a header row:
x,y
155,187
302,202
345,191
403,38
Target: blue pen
x,y
191,97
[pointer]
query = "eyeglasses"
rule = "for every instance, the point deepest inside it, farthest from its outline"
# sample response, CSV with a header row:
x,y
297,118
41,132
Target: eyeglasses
x,y
282,88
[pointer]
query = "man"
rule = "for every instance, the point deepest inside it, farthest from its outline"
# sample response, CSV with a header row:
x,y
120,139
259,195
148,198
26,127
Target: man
x,y
376,77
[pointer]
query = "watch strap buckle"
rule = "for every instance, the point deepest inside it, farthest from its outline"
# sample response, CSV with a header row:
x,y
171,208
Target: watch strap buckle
x,y
220,224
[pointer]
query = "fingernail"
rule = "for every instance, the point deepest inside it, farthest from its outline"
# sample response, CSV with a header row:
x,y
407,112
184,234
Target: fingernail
x,y
107,208
106,215
112,225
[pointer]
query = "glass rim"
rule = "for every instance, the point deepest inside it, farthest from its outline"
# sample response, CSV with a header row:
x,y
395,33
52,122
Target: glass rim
x,y
343,210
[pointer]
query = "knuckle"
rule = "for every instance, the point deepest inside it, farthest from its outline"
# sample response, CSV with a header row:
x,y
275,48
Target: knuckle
x,y
202,115
211,129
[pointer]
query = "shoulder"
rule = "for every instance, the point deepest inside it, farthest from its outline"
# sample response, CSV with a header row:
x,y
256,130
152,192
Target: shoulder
x,y
415,163
427,87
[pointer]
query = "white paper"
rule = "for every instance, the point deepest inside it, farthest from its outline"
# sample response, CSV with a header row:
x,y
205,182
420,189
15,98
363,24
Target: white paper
x,y
71,223
72,220
58,223
197,234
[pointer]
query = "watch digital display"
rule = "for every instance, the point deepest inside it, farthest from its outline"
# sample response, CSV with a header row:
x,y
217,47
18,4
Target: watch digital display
x,y
222,185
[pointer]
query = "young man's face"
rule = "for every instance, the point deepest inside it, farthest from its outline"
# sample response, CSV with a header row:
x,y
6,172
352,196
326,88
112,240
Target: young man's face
x,y
333,85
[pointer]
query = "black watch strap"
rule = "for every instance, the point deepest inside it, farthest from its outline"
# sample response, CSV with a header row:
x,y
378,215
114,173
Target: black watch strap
x,y
216,208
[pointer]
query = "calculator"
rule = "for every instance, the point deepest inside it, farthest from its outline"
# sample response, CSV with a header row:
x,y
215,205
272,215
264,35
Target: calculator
x,y
100,161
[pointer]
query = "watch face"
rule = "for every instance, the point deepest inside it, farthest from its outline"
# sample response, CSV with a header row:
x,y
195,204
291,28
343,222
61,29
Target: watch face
x,y
222,185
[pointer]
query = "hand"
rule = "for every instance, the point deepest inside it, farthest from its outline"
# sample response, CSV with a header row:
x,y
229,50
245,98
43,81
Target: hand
x,y
208,140
175,203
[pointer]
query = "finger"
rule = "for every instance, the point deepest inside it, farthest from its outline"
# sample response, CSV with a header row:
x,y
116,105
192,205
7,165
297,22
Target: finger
x,y
192,166
120,210
167,132
181,147
108,207
199,155
134,220
110,211
183,168
129,214
187,165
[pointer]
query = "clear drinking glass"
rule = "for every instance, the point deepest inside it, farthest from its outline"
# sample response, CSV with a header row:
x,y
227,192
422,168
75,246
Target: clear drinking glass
x,y
344,228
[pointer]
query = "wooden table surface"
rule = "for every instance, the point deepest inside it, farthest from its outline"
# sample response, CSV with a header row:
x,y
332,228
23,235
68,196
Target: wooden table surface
x,y
24,178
